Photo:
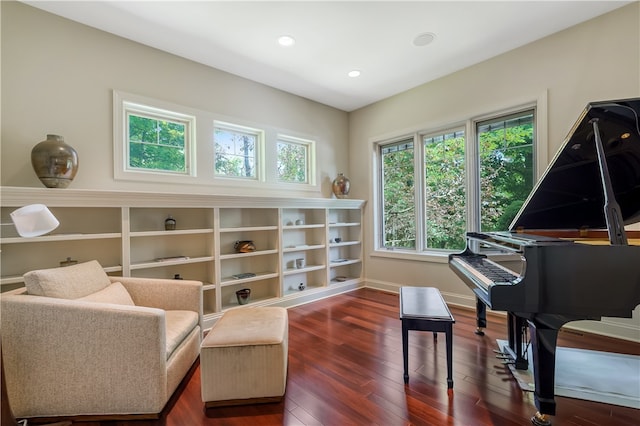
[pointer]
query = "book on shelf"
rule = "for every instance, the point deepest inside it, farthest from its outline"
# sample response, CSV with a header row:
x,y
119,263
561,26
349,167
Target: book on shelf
x,y
243,275
171,258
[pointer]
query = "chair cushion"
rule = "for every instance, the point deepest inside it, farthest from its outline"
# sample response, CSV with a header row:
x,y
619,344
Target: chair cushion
x,y
178,325
115,293
69,282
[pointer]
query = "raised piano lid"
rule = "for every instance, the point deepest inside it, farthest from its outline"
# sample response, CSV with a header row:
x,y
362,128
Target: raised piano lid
x,y
569,195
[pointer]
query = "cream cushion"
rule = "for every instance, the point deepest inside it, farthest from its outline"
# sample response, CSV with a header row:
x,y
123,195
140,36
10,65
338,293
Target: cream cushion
x,y
69,282
178,325
115,293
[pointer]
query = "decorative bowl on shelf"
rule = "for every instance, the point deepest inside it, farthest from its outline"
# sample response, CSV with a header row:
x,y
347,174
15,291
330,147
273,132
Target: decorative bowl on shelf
x,y
244,246
243,296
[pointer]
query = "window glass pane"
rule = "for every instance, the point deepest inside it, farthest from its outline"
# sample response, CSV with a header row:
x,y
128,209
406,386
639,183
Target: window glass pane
x,y
398,215
293,162
156,144
235,153
506,168
445,194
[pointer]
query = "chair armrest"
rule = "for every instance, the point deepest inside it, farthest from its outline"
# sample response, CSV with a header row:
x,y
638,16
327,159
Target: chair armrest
x,y
165,294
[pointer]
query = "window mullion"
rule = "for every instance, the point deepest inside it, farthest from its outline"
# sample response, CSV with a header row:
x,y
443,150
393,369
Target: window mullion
x,y
472,178
419,192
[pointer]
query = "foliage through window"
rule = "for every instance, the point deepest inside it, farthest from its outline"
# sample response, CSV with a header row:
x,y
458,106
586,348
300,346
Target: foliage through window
x,y
506,168
157,142
452,202
398,206
293,160
445,190
236,150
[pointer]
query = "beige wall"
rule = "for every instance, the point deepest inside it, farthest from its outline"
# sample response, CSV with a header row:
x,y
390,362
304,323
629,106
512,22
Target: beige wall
x,y
597,60
58,77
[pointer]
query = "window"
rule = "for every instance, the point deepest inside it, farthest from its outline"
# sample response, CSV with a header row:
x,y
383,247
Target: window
x,y
157,140
445,190
505,147
236,150
153,140
398,198
294,160
436,186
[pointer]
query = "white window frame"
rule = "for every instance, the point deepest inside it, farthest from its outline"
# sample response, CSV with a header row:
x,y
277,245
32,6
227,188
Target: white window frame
x,y
125,104
259,160
471,170
310,159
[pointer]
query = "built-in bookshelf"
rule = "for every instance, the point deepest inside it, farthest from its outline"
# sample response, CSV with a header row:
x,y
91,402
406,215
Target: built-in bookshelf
x,y
305,249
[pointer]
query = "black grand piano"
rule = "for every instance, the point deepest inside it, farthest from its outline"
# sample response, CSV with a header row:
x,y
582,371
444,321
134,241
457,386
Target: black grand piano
x,y
574,260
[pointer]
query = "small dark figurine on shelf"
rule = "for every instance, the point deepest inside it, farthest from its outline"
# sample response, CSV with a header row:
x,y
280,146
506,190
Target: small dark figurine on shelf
x,y
170,223
68,262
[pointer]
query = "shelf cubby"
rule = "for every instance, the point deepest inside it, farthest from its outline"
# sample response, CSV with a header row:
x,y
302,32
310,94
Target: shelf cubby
x,y
262,290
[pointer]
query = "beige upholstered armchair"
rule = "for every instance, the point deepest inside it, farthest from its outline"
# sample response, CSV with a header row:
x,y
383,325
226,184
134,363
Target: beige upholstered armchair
x,y
77,342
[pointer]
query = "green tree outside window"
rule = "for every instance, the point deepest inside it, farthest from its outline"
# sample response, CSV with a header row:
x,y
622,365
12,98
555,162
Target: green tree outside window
x,y
156,144
292,162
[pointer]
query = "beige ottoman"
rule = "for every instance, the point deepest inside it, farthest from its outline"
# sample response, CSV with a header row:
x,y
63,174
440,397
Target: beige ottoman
x,y
243,359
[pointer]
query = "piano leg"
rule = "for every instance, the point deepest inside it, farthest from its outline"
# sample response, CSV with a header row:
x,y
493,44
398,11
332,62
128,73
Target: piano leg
x,y
481,317
543,346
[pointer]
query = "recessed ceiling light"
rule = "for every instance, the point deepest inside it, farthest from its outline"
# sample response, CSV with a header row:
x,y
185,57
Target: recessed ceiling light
x,y
423,39
286,41
354,73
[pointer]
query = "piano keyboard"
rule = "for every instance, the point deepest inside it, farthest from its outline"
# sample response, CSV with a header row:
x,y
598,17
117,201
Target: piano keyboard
x,y
485,271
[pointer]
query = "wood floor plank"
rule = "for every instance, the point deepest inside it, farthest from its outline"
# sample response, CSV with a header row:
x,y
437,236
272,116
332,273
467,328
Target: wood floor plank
x,y
345,368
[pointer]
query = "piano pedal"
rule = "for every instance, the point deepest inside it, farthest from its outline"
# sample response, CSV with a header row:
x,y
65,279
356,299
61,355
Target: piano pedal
x,y
509,362
504,356
540,419
498,351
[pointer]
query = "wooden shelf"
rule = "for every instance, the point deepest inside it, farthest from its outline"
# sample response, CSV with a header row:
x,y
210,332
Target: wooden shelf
x,y
228,281
61,237
170,233
159,264
249,254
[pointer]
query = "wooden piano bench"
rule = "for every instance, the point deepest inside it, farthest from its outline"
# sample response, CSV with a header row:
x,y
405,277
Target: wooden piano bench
x,y
424,309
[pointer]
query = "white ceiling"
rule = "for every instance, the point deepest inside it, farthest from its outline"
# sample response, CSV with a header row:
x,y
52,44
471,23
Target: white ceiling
x,y
333,37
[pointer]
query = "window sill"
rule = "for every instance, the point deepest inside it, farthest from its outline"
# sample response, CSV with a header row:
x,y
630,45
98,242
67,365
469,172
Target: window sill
x,y
433,257
438,257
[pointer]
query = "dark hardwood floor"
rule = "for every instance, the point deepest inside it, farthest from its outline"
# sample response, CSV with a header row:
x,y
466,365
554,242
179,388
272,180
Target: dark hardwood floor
x,y
345,368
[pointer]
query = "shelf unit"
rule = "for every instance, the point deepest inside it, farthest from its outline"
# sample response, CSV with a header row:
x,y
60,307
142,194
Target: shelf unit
x,y
125,232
